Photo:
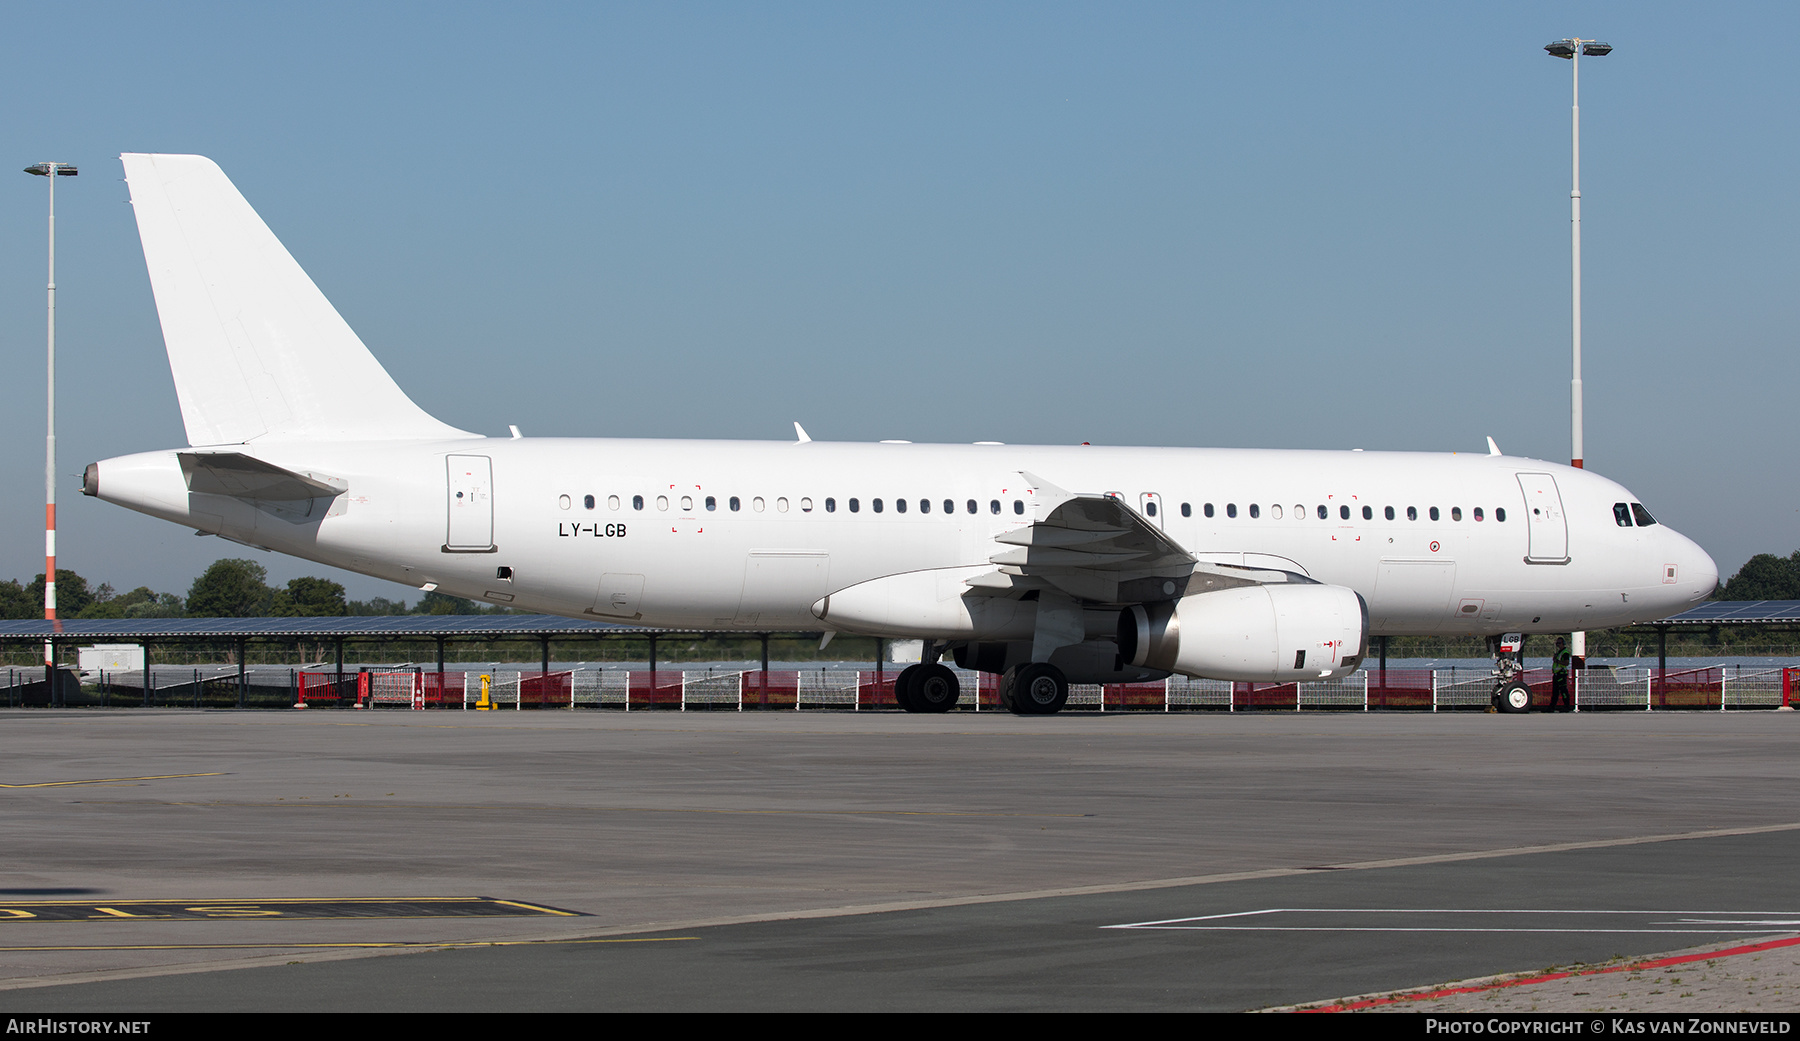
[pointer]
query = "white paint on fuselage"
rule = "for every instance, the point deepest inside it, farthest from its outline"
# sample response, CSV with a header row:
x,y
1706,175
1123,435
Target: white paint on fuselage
x,y
720,569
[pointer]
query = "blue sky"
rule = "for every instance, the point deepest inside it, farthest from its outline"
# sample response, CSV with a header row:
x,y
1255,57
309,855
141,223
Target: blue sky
x,y
1280,225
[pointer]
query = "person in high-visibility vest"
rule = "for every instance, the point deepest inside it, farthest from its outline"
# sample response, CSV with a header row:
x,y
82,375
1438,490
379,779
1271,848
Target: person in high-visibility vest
x,y
1559,677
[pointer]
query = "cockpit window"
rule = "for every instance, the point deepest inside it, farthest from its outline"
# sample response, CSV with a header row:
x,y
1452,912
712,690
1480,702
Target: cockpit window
x,y
1644,519
1622,515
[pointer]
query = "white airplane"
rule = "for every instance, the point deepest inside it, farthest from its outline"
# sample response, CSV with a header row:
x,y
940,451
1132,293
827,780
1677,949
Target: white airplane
x,y
1047,564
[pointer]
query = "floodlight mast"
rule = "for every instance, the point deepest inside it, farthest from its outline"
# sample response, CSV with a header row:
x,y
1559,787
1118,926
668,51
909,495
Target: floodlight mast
x,y
50,172
1572,50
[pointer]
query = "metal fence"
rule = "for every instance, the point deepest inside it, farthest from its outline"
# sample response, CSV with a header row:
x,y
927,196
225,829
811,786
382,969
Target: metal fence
x,y
1718,688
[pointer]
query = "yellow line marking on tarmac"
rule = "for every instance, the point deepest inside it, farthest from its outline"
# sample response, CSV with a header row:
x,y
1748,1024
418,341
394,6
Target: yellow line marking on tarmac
x,y
534,907
110,780
511,808
369,944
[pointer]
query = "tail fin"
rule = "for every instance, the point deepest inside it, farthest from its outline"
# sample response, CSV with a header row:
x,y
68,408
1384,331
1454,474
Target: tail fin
x,y
256,349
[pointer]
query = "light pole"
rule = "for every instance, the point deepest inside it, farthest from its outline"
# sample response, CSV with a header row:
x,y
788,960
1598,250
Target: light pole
x,y
50,171
1572,51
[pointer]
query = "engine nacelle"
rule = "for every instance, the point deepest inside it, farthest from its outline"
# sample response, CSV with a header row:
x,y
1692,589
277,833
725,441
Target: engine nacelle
x,y
1262,634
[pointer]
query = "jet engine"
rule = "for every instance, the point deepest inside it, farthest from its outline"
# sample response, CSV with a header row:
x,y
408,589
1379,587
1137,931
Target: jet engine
x,y
1262,634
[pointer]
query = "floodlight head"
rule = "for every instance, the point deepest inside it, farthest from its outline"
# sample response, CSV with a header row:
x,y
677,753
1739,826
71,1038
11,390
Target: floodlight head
x,y
41,169
1595,49
1560,49
45,169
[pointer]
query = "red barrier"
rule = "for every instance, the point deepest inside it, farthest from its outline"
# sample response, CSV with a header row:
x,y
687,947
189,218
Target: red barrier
x,y
1400,688
445,689
324,690
771,689
1134,697
546,690
1265,696
665,694
1688,688
876,690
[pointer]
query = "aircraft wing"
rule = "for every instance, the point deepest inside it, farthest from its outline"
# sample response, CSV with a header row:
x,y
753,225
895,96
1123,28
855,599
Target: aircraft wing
x,y
1097,549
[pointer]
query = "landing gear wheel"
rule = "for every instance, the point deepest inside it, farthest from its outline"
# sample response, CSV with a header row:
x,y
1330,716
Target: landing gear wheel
x,y
905,688
1037,689
934,688
1514,697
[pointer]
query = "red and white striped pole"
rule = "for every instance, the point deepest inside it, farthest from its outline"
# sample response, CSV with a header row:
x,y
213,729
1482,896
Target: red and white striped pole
x,y
50,172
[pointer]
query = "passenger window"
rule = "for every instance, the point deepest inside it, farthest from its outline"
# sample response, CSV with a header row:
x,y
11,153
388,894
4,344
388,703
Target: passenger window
x,y
1231,509
1150,508
875,504
899,505
1187,509
1343,513
806,505
1643,516
757,504
1299,512
1275,511
1019,506
662,502
612,502
1412,513
562,501
924,505
855,506
1434,513
637,502
735,504
994,506
588,501
1323,514
1622,514
1388,512
1478,515
1456,513
781,505
830,505
1499,515
711,504
950,506
972,506
1368,513
1255,510
1208,509
687,502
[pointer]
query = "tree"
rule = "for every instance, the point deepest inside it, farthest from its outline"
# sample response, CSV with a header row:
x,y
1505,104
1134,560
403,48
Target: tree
x,y
72,595
1765,577
16,603
232,588
435,602
310,597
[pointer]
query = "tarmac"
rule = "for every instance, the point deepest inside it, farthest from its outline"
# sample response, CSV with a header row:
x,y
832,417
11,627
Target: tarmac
x,y
178,860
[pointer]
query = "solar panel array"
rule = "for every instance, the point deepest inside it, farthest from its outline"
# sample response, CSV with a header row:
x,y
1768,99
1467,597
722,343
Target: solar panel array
x,y
418,626
1738,612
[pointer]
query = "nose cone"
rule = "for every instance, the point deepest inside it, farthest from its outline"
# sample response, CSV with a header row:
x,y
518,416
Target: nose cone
x,y
1696,576
1704,570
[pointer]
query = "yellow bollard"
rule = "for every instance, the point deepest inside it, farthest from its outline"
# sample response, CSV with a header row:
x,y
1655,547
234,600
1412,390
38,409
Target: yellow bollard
x,y
484,704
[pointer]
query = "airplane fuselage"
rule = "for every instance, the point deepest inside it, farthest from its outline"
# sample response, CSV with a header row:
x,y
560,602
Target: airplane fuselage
x,y
750,535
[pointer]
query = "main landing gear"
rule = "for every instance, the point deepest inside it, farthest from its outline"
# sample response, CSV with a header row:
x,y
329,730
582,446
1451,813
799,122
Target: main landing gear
x,y
1034,689
927,687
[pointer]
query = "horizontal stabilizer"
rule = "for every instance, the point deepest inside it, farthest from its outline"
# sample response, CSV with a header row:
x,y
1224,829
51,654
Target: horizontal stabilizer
x,y
256,349
244,477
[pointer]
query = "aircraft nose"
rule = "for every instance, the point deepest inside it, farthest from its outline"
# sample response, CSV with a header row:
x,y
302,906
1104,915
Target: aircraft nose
x,y
1699,575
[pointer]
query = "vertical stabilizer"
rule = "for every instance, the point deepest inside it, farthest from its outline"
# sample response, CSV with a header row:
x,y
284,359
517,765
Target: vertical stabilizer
x,y
256,349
